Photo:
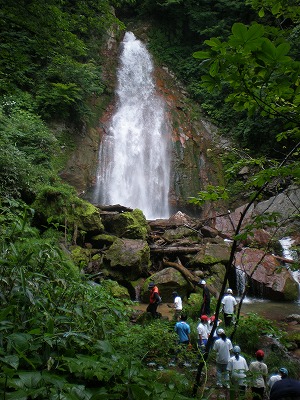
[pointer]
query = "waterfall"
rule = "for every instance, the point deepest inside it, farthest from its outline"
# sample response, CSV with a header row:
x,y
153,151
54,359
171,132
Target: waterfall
x,y
241,280
288,253
134,160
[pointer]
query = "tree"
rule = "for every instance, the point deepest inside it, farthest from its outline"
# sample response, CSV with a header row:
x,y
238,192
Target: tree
x,y
263,78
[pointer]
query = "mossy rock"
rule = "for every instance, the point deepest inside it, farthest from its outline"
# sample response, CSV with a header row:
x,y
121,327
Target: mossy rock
x,y
167,280
180,233
291,290
102,240
127,259
116,290
59,205
217,273
80,256
131,225
212,254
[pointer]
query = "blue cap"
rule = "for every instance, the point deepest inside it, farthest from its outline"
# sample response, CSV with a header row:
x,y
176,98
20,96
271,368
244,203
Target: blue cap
x,y
284,371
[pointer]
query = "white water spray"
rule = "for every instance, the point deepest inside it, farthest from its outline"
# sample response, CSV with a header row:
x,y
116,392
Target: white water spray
x,y
134,161
289,254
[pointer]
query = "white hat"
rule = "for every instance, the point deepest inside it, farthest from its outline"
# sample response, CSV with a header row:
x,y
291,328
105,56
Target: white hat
x,y
229,291
203,282
220,331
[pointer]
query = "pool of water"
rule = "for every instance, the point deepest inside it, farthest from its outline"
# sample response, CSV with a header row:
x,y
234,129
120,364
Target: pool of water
x,y
272,310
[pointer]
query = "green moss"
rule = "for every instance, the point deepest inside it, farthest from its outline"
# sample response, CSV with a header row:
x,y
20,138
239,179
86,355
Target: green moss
x,y
80,256
131,225
293,336
116,290
59,205
291,290
132,257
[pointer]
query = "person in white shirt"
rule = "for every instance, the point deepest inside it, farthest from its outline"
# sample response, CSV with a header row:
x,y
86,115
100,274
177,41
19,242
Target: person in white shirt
x,y
259,372
237,367
229,305
210,324
222,346
177,304
202,330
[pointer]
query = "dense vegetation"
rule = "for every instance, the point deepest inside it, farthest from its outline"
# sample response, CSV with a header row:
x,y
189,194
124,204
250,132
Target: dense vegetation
x,y
60,336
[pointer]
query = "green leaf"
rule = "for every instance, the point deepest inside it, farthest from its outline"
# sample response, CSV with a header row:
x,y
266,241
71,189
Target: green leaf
x,y
20,341
12,361
30,379
201,54
214,42
214,68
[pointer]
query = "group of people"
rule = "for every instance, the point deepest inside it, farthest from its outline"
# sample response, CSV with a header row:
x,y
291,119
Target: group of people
x,y
232,370
229,303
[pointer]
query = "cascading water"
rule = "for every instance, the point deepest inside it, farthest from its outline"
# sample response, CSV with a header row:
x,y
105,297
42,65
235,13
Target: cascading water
x,y
134,160
241,280
289,254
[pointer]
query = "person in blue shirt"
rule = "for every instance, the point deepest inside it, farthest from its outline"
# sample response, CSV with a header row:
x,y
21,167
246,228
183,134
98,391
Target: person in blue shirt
x,y
183,330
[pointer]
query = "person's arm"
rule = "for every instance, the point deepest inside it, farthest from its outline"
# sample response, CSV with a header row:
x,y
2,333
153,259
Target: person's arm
x,y
265,374
199,335
157,297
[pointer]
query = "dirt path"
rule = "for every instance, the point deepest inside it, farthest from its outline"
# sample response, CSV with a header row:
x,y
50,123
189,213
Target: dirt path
x,y
164,309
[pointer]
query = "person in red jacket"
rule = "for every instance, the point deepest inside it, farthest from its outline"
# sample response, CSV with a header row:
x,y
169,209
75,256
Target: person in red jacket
x,y
154,300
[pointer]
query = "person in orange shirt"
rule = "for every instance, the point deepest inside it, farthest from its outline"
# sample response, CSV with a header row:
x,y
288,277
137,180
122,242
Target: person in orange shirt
x,y
154,300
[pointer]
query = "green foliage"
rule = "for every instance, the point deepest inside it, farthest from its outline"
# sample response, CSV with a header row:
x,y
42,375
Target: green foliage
x,y
25,144
278,8
212,193
62,337
254,326
260,72
46,51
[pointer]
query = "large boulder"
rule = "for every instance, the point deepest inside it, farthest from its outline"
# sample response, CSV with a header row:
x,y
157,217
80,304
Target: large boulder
x,y
267,277
131,225
126,259
211,254
60,206
167,280
286,204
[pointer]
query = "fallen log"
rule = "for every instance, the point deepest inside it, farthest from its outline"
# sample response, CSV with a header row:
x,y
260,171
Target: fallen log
x,y
189,276
174,250
285,260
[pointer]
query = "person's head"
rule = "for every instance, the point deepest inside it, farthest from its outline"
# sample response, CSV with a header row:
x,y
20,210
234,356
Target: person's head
x,y
151,285
204,319
259,355
229,291
283,372
174,294
183,317
202,283
236,351
221,333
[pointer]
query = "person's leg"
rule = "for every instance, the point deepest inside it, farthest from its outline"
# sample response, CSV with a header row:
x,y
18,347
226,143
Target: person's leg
x,y
225,375
219,368
242,392
257,393
152,309
227,318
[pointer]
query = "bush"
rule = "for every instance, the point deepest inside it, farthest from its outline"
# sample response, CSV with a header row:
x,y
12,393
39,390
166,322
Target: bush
x,y
250,328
